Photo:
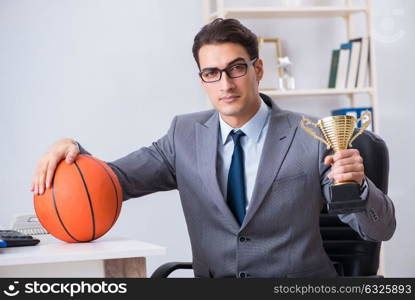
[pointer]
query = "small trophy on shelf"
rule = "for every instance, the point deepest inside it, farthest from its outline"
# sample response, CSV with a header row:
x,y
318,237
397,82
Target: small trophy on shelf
x,y
286,80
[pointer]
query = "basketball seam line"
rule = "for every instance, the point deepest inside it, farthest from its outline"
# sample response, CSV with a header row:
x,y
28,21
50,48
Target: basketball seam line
x,y
115,189
57,212
89,199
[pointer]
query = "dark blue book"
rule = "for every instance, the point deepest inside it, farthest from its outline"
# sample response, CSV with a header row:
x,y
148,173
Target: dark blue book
x,y
343,68
333,67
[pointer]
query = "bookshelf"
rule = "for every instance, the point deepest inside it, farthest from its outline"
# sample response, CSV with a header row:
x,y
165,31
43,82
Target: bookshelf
x,y
317,92
296,12
345,11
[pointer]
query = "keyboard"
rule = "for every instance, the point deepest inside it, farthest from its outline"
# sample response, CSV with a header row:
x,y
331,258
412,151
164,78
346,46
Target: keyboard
x,y
13,238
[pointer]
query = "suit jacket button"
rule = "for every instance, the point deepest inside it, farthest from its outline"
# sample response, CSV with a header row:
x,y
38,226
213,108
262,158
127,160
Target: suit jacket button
x,y
242,239
243,274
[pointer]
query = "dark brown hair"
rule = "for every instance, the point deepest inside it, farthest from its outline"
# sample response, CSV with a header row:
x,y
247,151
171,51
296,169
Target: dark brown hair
x,y
221,31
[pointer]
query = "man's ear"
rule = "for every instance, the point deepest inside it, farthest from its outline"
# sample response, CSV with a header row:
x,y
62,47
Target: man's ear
x,y
259,69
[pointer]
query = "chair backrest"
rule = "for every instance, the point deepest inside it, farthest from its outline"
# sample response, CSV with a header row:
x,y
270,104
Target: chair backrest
x,y
353,255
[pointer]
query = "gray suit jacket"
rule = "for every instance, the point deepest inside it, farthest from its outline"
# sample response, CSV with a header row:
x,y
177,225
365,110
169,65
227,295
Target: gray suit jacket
x,y
280,235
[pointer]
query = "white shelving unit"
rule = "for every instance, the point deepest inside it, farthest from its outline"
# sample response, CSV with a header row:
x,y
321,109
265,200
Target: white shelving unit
x,y
345,12
295,12
317,92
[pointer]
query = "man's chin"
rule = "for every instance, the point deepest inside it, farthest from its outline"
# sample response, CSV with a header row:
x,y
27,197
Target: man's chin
x,y
232,109
230,112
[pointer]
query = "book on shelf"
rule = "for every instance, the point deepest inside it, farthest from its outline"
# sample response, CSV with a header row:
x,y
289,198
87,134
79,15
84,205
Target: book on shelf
x,y
363,72
349,66
353,63
333,67
343,68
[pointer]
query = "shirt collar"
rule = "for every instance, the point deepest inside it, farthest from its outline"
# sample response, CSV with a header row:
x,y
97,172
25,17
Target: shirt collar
x,y
252,128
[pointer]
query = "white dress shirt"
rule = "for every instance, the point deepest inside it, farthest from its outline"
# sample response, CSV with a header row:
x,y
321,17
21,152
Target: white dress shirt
x,y
252,143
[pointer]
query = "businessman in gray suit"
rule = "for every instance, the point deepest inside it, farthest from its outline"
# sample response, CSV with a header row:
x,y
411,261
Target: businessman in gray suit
x,y
251,182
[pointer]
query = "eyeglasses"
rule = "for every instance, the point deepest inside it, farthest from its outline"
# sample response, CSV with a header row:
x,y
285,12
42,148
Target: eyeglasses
x,y
210,75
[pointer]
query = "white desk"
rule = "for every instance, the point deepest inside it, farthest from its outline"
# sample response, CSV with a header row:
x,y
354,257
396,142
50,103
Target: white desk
x,y
105,257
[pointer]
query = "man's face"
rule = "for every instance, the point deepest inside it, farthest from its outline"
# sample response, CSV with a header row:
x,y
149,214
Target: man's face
x,y
232,97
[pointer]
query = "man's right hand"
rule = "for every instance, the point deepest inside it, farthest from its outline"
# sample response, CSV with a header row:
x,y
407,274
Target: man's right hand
x,y
63,149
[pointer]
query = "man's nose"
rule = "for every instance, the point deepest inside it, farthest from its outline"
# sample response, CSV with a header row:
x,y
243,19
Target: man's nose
x,y
226,82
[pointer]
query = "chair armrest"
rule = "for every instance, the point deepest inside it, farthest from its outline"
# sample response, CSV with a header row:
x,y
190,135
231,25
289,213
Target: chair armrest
x,y
166,269
368,276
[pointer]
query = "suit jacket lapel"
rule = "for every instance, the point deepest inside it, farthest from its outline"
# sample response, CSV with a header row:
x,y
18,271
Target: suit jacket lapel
x,y
277,143
207,149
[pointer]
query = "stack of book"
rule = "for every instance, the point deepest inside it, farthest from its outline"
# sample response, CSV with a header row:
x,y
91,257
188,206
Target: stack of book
x,y
357,113
350,65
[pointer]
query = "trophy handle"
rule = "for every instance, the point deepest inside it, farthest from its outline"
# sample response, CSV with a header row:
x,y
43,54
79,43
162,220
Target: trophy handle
x,y
366,117
304,122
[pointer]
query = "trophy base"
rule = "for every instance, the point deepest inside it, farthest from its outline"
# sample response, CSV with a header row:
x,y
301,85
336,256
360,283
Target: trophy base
x,y
345,198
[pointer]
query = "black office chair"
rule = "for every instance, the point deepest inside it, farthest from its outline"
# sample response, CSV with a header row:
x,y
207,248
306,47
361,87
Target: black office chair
x,y
351,255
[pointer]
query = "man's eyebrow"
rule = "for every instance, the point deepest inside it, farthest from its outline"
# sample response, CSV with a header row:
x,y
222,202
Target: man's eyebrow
x,y
235,60
229,63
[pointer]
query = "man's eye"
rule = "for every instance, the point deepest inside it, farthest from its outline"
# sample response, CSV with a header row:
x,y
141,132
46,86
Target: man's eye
x,y
210,74
237,67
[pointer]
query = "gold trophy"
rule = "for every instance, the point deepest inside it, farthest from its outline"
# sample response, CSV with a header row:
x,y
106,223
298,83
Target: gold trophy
x,y
337,132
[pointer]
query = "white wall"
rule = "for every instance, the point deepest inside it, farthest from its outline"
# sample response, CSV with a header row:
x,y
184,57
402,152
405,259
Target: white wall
x,y
395,41
112,74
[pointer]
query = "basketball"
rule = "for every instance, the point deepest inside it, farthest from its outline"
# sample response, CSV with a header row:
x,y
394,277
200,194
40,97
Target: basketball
x,y
83,202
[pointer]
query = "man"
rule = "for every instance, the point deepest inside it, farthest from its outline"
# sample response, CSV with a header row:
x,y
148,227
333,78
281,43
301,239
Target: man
x,y
251,183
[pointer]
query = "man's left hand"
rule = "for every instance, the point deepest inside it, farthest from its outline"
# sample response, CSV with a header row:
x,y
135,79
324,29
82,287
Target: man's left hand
x,y
346,165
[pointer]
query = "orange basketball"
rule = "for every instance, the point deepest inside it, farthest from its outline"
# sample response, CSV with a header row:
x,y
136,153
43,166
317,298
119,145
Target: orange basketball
x,y
83,202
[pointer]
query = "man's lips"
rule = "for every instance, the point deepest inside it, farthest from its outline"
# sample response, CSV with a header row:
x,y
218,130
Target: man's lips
x,y
228,98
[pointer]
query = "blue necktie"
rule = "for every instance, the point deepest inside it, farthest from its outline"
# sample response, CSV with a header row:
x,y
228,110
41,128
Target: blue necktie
x,y
236,179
